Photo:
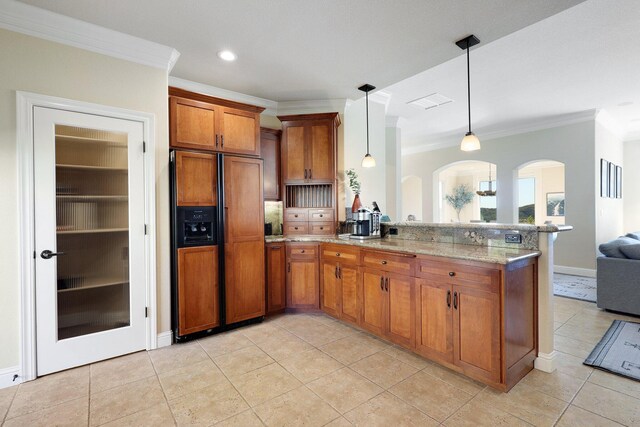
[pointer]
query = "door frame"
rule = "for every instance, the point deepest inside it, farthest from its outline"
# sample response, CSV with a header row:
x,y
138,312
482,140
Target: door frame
x,y
25,103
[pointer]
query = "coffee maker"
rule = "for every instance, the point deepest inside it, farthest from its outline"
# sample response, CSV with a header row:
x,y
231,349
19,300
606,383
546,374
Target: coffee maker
x,y
366,225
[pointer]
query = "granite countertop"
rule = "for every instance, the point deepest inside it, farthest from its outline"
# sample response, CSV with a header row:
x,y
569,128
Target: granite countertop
x,y
449,250
547,228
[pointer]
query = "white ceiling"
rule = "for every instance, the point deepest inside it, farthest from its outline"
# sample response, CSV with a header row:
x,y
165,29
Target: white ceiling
x,y
292,50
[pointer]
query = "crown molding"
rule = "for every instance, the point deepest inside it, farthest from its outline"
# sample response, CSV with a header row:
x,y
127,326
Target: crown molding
x,y
391,121
286,108
605,120
271,107
381,97
34,21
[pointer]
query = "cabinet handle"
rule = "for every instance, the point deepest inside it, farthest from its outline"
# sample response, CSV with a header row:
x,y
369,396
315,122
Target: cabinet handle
x,y
452,273
384,262
336,272
382,283
289,267
386,284
222,141
455,300
309,173
216,140
305,174
449,299
339,272
276,247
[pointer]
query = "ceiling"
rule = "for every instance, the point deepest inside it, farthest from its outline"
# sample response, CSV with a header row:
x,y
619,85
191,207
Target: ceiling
x,y
291,50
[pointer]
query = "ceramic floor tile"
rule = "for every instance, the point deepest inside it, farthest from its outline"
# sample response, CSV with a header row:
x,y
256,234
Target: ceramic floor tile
x,y
609,404
344,389
352,348
592,334
556,384
265,383
72,413
217,345
310,365
242,361
172,357
475,413
407,357
121,370
455,379
616,382
573,366
562,316
157,416
387,410
526,403
432,396
6,397
125,400
188,379
383,369
319,334
208,406
572,346
284,345
557,325
578,417
50,390
260,332
244,419
339,422
299,407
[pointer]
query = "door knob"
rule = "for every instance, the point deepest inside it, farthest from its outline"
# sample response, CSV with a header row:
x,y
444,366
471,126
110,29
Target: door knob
x,y
47,254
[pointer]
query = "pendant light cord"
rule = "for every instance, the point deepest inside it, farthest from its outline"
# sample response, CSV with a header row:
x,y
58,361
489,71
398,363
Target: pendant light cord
x,y
468,87
367,98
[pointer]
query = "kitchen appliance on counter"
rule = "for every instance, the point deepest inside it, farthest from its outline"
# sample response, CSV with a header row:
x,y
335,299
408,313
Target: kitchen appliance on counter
x,y
366,225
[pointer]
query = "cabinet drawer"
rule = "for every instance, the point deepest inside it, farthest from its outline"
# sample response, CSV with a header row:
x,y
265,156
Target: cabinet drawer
x,y
325,215
486,279
296,228
322,228
301,215
342,253
302,250
389,261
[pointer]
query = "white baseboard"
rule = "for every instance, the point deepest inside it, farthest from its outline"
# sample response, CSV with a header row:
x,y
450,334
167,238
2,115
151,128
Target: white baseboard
x,y
585,272
165,339
546,362
7,375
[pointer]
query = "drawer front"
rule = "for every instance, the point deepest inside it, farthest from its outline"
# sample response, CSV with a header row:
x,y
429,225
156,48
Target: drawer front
x,y
322,228
292,228
342,253
325,215
302,250
389,261
486,279
295,215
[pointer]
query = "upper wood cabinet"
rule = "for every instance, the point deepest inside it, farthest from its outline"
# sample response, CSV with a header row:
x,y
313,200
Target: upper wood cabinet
x,y
196,178
270,151
203,122
309,144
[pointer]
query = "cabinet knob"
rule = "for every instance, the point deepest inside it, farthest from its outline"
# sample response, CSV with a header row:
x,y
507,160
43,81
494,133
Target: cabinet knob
x,y
321,228
295,228
321,215
384,262
337,253
302,251
295,216
452,273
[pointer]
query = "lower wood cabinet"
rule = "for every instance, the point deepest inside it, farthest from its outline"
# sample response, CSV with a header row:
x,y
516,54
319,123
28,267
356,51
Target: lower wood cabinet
x,y
276,267
302,276
340,282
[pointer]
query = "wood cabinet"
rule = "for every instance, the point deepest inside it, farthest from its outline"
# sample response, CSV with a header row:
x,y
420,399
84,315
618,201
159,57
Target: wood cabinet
x,y
198,303
302,276
196,178
244,239
270,151
340,282
202,122
275,266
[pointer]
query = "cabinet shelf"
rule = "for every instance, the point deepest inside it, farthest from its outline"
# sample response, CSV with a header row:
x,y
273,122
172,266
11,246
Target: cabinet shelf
x,y
90,168
89,140
94,286
90,197
93,231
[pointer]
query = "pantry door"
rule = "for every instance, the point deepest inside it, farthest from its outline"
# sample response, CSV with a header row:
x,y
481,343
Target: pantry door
x,y
89,204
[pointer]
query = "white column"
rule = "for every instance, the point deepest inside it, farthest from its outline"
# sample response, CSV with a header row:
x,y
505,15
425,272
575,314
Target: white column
x,y
546,360
393,164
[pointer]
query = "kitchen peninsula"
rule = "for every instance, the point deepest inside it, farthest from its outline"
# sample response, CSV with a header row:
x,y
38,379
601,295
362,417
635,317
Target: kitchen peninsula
x,y
457,294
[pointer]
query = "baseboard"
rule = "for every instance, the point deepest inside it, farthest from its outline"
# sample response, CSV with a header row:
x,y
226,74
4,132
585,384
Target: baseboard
x,y
585,272
7,376
546,362
165,339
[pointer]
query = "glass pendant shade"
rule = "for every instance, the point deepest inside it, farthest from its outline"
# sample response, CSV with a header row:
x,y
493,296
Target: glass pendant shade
x,y
368,161
470,142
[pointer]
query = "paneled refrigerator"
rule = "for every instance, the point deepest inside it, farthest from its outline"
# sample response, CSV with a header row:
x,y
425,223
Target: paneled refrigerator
x,y
217,242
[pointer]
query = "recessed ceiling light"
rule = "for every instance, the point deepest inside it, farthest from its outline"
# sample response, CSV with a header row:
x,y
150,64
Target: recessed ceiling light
x,y
227,55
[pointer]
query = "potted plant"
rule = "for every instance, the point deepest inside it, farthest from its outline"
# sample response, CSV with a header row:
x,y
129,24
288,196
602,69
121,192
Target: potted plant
x,y
461,197
354,185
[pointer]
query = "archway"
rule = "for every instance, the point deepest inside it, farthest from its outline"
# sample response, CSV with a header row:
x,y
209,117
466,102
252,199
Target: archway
x,y
540,189
411,198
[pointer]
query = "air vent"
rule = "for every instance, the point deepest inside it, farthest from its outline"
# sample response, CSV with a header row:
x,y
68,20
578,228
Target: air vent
x,y
430,101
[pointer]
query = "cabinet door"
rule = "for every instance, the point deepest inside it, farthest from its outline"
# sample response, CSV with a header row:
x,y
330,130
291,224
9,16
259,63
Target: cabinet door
x,y
270,151
239,132
350,304
196,178
373,301
244,238
401,309
275,278
434,320
198,303
321,157
330,289
294,168
192,124
476,332
302,284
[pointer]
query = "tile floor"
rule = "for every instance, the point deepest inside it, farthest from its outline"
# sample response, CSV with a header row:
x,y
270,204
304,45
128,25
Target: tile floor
x,y
311,370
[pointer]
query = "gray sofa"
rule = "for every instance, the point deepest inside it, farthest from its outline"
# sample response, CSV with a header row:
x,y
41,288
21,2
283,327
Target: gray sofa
x,y
619,275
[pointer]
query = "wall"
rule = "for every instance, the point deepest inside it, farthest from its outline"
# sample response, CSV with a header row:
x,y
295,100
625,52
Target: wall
x,y
411,198
548,179
35,65
631,186
572,144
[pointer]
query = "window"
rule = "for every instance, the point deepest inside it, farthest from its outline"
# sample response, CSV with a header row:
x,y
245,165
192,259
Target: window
x,y
487,203
527,200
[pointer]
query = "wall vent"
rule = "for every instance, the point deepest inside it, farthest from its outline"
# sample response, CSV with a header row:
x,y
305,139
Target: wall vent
x,y
430,101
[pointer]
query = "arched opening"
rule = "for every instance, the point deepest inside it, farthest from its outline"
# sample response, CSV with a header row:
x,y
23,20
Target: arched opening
x,y
466,192
540,189
411,198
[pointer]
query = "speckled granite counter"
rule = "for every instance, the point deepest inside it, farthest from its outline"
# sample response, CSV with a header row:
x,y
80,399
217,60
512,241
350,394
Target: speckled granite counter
x,y
490,254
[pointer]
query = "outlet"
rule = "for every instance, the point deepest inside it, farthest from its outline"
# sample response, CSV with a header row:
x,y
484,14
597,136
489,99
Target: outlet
x,y
393,231
513,238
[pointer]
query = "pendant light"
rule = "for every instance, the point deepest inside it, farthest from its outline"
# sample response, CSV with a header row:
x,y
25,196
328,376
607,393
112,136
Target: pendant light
x,y
490,192
368,161
470,142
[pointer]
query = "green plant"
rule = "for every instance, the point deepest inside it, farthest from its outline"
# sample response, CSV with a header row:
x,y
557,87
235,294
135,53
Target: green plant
x,y
354,184
461,197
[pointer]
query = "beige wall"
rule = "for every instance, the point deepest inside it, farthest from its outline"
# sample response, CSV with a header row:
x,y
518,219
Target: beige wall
x,y
631,186
43,67
548,179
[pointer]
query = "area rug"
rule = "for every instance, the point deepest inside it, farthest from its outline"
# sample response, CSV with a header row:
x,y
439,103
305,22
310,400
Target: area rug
x,y
576,287
619,350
